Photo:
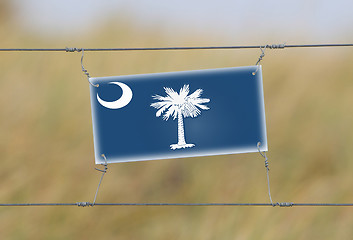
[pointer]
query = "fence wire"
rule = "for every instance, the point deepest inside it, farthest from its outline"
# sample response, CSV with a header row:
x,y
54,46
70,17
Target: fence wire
x,y
89,204
267,46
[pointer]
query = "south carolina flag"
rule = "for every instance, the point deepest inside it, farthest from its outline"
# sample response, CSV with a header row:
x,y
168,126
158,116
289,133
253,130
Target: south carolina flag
x,y
178,114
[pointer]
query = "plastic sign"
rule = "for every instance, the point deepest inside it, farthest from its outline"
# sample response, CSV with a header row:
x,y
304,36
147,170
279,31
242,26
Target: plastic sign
x,y
178,115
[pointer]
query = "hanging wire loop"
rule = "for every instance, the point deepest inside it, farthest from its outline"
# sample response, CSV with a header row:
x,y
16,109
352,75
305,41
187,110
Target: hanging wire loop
x,y
262,55
105,164
263,154
83,69
68,49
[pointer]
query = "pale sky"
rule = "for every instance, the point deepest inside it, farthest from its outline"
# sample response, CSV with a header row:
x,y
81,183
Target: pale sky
x,y
316,21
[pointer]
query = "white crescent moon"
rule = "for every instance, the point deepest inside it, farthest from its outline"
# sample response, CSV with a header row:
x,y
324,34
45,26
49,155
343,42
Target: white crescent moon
x,y
124,100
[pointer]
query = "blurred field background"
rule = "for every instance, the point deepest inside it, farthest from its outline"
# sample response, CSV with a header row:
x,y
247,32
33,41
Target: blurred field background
x,y
46,143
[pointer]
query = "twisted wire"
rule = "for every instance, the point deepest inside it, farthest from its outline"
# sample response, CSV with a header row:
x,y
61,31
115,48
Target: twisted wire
x,y
82,67
103,172
263,154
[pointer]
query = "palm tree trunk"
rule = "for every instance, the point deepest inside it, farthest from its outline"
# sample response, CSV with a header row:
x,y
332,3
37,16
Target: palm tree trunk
x,y
181,136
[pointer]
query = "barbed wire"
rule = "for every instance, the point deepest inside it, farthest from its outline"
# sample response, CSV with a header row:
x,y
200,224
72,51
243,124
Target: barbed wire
x,y
268,46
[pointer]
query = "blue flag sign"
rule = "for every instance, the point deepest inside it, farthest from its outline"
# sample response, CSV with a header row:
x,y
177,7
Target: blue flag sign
x,y
179,114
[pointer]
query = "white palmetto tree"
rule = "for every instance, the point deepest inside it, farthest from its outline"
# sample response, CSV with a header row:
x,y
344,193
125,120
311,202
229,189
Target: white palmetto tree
x,y
180,106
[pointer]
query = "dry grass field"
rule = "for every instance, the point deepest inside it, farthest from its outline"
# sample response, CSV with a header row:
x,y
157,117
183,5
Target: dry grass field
x,y
46,146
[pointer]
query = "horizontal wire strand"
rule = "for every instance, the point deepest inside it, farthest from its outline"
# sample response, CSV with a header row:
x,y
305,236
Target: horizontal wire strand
x,y
272,46
87,204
